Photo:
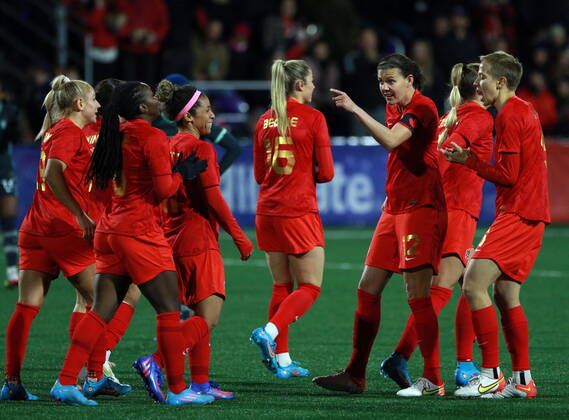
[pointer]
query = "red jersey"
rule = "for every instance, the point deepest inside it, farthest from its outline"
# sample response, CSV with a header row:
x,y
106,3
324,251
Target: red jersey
x,y
287,168
462,185
413,178
519,139
47,216
99,198
189,225
146,179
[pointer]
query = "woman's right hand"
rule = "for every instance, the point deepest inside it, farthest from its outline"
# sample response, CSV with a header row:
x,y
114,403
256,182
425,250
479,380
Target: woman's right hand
x,y
87,225
342,100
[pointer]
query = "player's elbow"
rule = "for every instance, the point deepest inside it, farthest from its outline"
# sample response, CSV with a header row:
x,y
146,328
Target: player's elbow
x,y
325,176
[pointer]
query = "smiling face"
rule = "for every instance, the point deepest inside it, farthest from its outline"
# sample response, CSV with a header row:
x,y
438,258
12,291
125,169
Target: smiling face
x,y
204,116
395,88
486,85
150,107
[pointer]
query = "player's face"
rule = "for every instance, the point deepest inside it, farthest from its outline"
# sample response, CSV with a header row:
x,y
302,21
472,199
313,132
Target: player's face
x,y
393,85
203,120
153,106
308,88
90,107
486,85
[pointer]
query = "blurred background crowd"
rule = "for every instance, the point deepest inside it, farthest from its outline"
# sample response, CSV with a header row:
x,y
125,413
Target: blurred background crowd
x,y
236,40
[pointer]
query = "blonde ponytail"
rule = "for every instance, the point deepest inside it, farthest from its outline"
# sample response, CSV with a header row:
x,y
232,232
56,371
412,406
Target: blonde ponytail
x,y
284,75
59,100
455,100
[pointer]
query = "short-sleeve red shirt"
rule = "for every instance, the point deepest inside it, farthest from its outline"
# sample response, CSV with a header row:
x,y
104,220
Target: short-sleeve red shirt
x,y
189,226
518,131
462,186
47,216
413,178
285,166
146,155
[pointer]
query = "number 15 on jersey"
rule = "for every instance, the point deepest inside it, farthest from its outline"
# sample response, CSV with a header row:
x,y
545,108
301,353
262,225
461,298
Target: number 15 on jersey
x,y
280,157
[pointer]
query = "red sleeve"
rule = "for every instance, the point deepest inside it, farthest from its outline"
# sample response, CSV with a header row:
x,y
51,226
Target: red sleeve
x,y
210,177
324,165
224,217
65,145
259,156
508,133
505,172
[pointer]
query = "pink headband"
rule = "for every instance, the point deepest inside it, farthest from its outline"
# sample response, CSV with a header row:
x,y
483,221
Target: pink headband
x,y
188,106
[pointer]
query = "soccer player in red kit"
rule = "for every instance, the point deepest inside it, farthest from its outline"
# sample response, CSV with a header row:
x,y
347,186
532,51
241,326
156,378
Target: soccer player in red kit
x,y
409,235
291,153
507,251
191,225
468,124
130,245
57,231
121,320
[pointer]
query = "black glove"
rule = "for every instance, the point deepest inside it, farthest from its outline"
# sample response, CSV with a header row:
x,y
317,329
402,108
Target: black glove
x,y
190,167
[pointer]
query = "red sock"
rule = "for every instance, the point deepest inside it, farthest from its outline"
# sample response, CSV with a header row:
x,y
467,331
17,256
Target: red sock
x,y
464,331
515,327
84,339
280,293
157,356
17,333
427,328
171,346
118,325
295,305
485,323
74,320
194,330
199,361
366,325
408,341
97,358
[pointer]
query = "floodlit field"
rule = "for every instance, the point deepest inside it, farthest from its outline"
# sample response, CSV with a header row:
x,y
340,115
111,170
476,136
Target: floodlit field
x,y
321,341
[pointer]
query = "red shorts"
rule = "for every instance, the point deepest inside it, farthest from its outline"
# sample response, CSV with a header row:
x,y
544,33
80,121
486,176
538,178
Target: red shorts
x,y
70,253
513,244
200,276
140,257
460,234
408,240
289,235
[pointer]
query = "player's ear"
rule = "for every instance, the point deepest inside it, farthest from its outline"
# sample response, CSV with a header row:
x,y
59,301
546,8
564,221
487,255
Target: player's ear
x,y
299,85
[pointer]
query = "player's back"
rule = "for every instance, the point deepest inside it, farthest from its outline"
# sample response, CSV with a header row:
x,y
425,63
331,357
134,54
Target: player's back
x,y
287,182
145,155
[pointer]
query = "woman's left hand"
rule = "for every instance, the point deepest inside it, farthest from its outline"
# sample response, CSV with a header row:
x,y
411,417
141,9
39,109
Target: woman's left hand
x,y
456,154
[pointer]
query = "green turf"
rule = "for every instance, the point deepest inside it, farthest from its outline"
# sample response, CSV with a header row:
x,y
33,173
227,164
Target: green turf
x,y
321,341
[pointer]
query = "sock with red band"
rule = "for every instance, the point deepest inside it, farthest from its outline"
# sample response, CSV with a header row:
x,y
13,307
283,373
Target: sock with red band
x,y
280,293
408,342
295,305
485,323
515,328
17,333
464,331
84,339
366,324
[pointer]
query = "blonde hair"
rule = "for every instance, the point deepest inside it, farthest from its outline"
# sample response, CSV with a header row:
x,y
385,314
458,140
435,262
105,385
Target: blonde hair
x,y
462,79
59,101
284,75
505,65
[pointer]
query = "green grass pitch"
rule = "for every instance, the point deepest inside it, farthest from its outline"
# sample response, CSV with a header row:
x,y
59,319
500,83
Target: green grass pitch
x,y
321,341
